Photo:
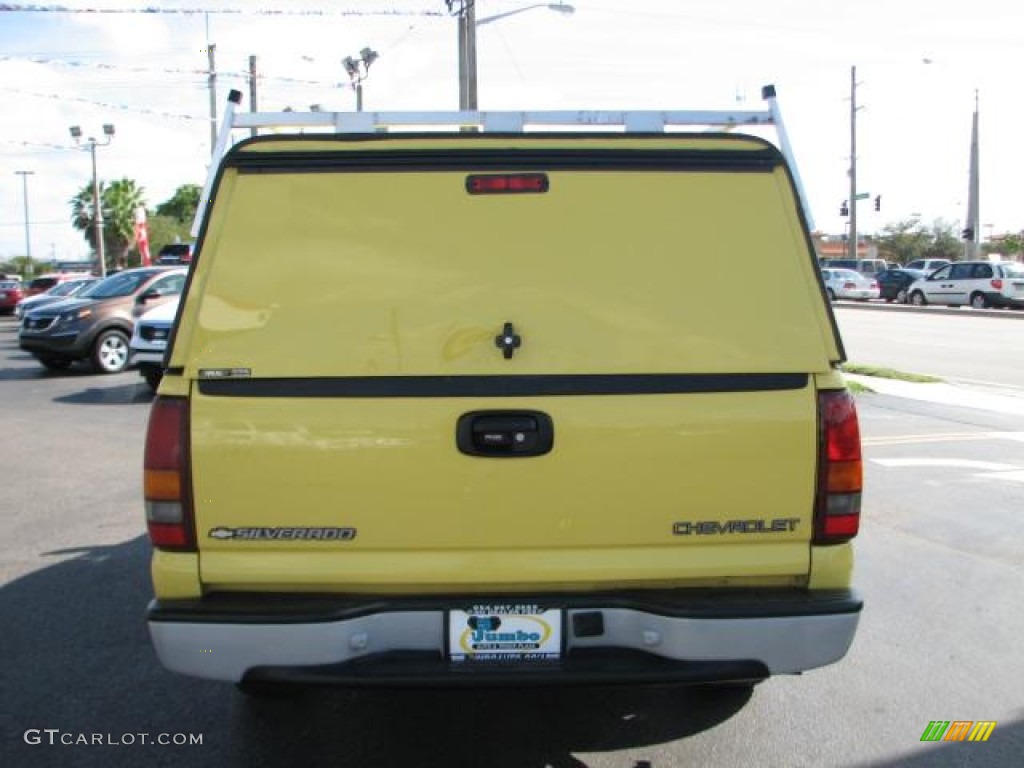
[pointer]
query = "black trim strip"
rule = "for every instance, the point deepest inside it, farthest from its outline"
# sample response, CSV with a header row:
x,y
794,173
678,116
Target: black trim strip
x,y
580,666
508,159
504,386
704,603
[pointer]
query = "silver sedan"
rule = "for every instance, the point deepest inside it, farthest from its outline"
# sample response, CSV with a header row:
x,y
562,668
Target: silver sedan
x,y
847,284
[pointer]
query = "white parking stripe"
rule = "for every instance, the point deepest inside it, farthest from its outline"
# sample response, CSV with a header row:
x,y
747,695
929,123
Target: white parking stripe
x,y
941,437
988,466
1016,476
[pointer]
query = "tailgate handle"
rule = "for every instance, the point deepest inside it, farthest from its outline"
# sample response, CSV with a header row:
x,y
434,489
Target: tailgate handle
x,y
504,434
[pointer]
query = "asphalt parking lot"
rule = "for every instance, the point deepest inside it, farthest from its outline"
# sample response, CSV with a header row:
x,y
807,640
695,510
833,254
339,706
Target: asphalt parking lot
x,y
939,564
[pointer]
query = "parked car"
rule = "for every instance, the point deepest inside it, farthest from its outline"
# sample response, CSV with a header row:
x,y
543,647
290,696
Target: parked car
x,y
979,284
149,341
43,283
56,293
847,284
98,326
928,265
864,266
176,253
11,293
893,283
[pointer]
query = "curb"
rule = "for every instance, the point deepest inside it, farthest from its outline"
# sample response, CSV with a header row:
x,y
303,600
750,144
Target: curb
x,y
942,393
1006,314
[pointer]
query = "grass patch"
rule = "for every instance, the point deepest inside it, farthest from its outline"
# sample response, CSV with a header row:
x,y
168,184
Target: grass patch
x,y
888,373
856,388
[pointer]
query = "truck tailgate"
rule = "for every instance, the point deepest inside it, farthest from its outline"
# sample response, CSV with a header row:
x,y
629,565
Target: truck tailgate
x,y
324,421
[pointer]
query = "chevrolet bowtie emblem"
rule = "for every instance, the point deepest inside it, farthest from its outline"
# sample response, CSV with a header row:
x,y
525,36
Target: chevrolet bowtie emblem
x,y
507,341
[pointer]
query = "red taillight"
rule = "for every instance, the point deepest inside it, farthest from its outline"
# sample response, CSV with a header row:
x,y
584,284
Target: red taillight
x,y
169,513
506,183
997,284
840,469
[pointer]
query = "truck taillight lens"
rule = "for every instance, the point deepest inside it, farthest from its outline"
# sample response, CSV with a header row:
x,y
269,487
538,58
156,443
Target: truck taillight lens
x,y
840,469
169,513
997,284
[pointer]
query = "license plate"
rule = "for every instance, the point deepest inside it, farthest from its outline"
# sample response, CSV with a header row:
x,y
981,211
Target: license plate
x,y
504,633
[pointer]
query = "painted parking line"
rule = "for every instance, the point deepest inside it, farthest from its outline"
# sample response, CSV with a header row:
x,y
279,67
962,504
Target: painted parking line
x,y
980,466
941,437
1016,476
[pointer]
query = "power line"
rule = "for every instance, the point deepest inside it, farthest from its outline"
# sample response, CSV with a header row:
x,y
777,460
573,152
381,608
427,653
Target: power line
x,y
104,104
35,8
159,71
101,66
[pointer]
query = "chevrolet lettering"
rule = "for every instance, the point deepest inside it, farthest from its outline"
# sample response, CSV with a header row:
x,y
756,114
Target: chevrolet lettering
x,y
717,527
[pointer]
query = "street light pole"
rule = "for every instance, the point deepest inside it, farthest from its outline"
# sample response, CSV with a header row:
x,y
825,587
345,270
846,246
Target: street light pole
x,y
29,271
467,25
97,209
97,212
853,163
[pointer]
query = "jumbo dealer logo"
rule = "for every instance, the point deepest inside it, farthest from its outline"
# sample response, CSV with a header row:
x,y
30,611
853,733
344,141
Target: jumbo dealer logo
x,y
511,634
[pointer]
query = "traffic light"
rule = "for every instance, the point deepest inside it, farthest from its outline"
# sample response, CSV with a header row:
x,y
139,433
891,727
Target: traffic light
x,y
878,202
967,233
844,209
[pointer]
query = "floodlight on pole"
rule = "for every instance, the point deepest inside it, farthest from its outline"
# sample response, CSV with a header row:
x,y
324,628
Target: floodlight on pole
x,y
97,209
357,70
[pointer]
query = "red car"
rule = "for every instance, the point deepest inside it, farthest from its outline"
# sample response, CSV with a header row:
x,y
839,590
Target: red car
x,y
11,293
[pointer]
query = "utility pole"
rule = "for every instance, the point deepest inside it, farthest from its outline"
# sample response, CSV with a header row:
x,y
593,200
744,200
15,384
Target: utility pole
x,y
463,47
853,162
253,104
466,31
972,230
210,51
29,271
470,15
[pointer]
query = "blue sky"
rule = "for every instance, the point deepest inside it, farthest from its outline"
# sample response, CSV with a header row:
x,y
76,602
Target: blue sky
x,y
918,63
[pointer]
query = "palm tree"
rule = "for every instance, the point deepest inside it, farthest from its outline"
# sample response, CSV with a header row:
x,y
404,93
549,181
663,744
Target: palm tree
x,y
119,199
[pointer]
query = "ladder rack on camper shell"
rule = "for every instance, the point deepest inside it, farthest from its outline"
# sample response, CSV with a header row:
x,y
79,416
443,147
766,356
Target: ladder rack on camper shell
x,y
631,121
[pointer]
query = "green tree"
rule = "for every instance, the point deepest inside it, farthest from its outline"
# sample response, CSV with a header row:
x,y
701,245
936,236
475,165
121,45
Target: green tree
x,y
18,265
119,201
164,230
902,241
182,204
907,240
1009,246
944,242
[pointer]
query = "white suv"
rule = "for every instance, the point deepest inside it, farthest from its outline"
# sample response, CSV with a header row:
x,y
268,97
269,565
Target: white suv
x,y
980,284
149,340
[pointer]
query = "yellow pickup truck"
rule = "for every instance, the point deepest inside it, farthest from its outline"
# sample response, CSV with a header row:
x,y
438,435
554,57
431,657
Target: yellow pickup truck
x,y
534,420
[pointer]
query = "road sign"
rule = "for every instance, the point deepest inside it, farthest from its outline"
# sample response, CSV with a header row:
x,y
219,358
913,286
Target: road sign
x,y
862,196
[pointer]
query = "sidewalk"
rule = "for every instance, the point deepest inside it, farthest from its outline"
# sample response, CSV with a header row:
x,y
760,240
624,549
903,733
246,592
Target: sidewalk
x,y
961,394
